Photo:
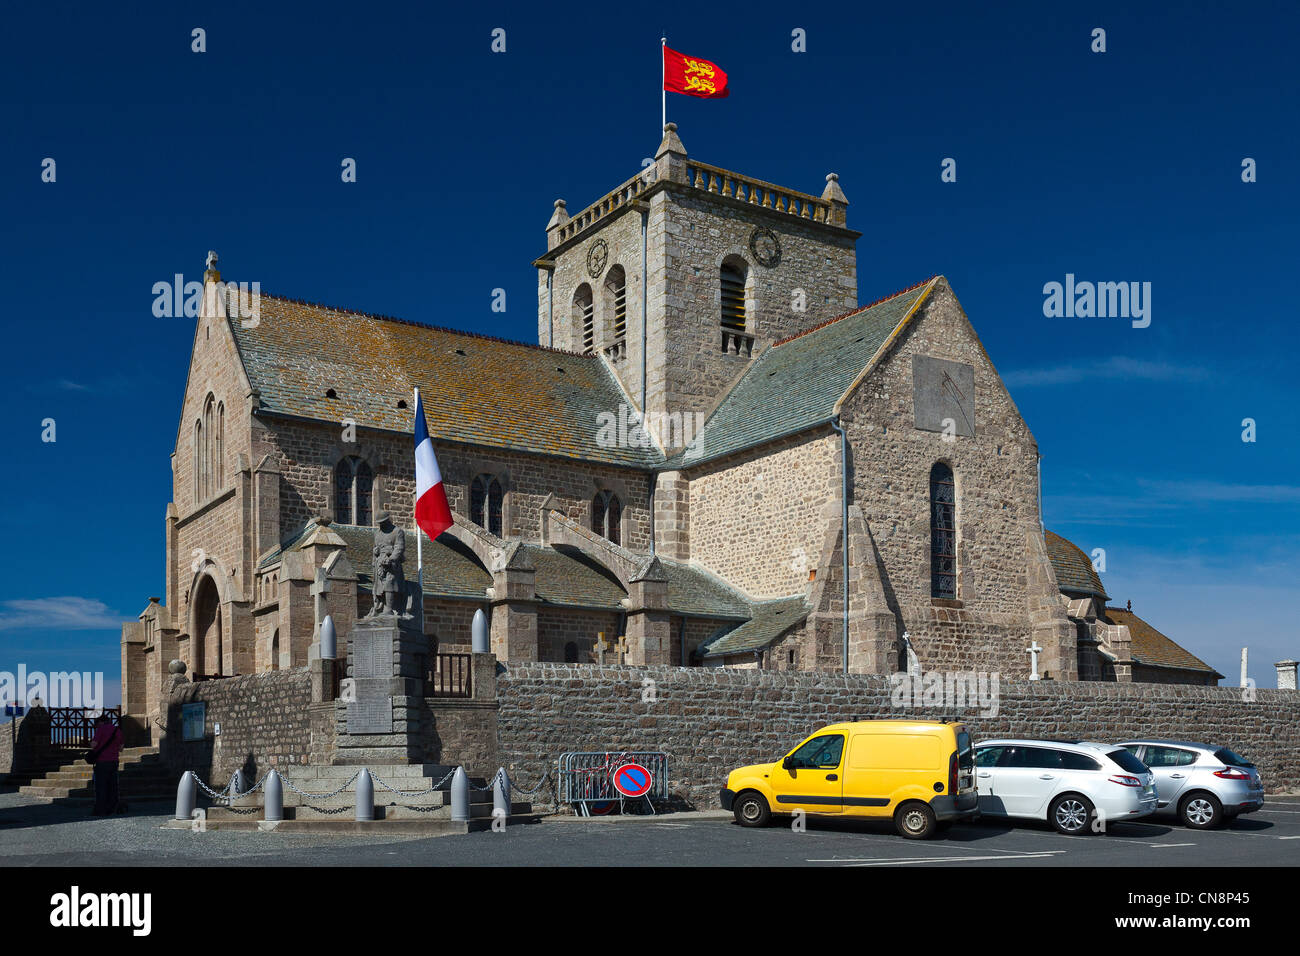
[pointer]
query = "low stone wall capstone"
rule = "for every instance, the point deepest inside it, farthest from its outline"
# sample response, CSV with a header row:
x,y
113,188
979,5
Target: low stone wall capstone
x,y
710,721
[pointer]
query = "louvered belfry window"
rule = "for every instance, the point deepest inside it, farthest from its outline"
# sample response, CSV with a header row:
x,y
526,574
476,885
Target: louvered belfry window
x,y
584,316
943,533
616,284
733,299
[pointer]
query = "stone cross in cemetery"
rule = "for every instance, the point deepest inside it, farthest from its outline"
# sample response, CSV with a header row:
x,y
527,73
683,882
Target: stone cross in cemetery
x,y
621,649
1033,650
600,648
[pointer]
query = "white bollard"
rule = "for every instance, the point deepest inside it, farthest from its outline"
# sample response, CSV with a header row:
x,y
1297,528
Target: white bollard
x,y
274,800
365,796
185,796
501,794
460,796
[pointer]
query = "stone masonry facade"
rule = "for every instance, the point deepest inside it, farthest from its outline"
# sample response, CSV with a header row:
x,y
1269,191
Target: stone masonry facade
x,y
711,721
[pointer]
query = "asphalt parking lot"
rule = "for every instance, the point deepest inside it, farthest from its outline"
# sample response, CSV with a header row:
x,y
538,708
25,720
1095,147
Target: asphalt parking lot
x,y
45,835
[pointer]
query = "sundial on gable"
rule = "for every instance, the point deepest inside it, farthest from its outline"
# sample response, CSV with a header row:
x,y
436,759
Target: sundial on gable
x,y
943,395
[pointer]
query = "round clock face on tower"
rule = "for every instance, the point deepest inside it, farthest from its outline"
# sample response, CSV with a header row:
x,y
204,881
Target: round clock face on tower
x,y
765,246
596,256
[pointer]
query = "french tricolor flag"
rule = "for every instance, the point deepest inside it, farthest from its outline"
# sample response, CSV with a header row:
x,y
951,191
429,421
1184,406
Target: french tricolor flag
x,y
432,513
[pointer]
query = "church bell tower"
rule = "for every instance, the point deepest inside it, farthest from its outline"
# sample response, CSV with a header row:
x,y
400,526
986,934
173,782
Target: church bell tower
x,y
684,273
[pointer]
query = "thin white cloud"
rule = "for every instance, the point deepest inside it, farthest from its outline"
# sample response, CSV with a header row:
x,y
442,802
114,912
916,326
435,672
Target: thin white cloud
x,y
1111,369
1221,491
58,614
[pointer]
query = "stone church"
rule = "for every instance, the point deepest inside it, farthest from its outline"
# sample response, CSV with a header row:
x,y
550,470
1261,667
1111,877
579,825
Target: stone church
x,y
714,456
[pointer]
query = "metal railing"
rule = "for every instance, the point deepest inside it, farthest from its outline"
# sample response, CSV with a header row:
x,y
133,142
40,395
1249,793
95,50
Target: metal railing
x,y
586,779
450,676
73,728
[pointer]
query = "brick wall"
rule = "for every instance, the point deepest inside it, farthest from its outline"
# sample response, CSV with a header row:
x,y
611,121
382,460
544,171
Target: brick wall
x,y
997,499
712,721
738,503
267,720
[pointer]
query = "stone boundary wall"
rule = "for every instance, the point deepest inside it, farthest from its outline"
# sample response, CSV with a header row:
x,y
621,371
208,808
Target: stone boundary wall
x,y
710,721
267,720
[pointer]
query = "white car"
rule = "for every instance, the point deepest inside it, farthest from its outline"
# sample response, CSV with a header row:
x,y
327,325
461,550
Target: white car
x,y
1070,784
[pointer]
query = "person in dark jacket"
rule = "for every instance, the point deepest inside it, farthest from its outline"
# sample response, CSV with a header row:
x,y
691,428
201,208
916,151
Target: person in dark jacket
x,y
103,754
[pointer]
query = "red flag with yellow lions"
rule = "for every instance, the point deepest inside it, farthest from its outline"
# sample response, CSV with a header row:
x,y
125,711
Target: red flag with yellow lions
x,y
692,76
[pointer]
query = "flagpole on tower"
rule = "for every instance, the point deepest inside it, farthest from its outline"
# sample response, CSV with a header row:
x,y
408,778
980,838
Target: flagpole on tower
x,y
663,91
419,535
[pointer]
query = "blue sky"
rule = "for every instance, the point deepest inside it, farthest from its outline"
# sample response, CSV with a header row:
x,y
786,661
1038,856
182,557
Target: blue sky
x,y
1122,166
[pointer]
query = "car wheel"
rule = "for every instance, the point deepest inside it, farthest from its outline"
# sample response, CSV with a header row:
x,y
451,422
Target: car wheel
x,y
751,810
915,821
1071,814
1201,811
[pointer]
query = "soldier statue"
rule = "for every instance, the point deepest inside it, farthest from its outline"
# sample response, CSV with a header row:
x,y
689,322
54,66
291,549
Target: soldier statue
x,y
388,583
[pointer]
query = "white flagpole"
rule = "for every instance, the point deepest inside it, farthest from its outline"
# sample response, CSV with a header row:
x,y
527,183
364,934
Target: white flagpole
x,y
663,77
419,535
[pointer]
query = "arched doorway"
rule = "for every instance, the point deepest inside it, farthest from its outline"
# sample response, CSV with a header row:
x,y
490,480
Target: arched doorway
x,y
207,627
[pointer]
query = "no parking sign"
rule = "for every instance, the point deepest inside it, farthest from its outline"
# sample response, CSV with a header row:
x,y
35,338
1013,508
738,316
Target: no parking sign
x,y
632,780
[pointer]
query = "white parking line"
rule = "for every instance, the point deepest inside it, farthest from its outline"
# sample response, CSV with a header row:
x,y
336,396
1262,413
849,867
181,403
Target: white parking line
x,y
1289,838
907,861
1170,844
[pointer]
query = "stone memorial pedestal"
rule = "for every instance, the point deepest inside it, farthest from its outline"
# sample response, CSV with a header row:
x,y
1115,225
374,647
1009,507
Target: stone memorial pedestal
x,y
385,720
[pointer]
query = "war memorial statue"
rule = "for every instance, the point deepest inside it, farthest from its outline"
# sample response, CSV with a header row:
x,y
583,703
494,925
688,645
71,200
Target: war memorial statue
x,y
389,582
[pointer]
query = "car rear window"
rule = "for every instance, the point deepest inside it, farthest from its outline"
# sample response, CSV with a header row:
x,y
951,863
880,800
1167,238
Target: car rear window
x,y
1224,755
1127,761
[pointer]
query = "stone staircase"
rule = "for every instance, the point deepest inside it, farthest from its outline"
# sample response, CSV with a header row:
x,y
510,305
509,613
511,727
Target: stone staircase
x,y
431,807
141,776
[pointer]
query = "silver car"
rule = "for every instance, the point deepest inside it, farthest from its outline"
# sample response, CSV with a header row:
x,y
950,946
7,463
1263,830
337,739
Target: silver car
x,y
1203,785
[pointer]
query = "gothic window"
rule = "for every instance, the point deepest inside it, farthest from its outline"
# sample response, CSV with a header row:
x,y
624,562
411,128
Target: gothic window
x,y
584,316
219,443
943,533
616,300
606,515
353,484
733,298
275,650
486,497
198,462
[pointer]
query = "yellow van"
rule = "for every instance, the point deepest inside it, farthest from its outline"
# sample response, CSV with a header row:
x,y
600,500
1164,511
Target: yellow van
x,y
920,773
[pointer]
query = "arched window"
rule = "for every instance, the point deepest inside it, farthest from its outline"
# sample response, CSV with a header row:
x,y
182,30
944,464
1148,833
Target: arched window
x,y
219,444
616,301
353,483
275,650
486,497
584,316
733,298
206,470
198,462
606,515
943,533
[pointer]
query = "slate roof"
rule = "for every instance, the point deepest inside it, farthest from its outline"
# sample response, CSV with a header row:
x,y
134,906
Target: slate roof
x,y
795,384
1151,647
1074,570
770,620
476,389
565,576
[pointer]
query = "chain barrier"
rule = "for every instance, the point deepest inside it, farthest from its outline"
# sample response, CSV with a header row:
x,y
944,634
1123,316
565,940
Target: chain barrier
x,y
515,787
410,793
320,796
